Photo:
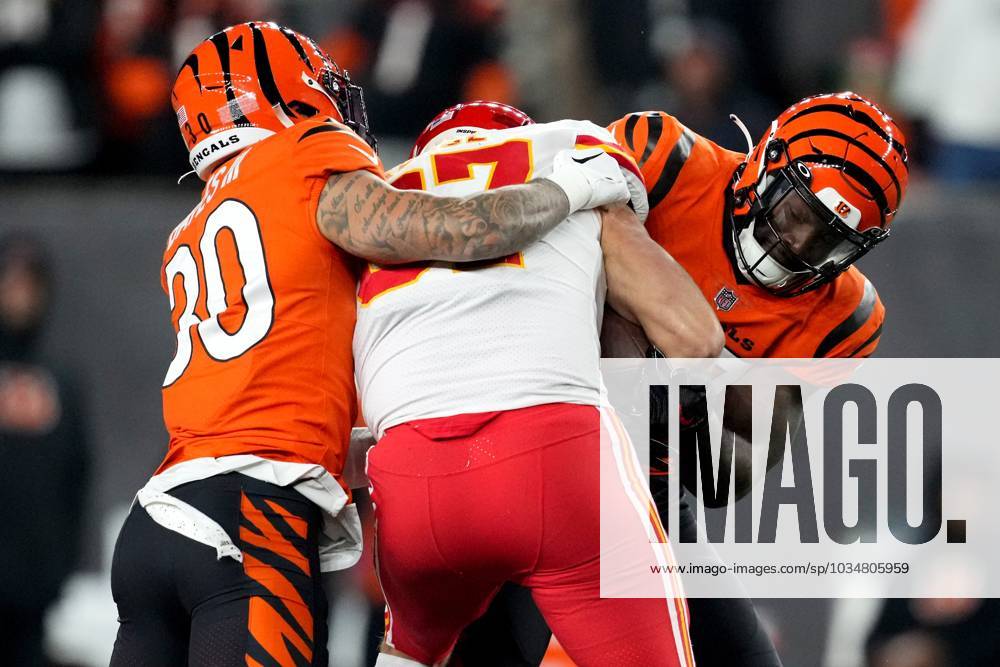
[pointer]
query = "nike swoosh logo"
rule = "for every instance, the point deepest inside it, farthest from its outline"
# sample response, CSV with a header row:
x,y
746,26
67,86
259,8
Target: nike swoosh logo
x,y
587,159
371,158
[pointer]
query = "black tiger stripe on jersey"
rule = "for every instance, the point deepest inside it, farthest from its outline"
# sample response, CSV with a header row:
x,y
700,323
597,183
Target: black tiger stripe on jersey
x,y
851,325
319,129
871,339
654,128
672,168
630,124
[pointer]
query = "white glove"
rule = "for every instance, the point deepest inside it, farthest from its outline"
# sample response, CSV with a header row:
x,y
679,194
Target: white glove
x,y
589,177
638,198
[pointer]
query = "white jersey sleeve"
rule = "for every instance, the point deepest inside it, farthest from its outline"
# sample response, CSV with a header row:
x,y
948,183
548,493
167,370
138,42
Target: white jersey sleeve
x,y
436,340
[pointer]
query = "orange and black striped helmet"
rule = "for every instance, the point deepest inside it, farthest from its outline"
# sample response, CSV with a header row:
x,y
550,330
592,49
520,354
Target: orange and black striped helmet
x,y
846,161
253,79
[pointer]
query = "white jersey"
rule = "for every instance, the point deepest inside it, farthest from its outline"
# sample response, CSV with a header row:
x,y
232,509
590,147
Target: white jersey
x,y
440,339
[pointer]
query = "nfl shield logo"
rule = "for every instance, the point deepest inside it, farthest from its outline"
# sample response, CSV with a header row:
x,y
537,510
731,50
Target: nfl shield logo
x,y
725,299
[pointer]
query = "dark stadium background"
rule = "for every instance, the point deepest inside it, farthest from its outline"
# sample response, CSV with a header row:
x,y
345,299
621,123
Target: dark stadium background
x,y
90,155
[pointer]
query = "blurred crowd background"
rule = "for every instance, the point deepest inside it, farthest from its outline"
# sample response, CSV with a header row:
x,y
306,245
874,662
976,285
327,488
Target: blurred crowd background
x,y
96,74
90,153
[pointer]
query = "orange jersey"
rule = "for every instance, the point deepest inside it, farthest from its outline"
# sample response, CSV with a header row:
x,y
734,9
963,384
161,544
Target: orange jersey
x,y
688,178
264,308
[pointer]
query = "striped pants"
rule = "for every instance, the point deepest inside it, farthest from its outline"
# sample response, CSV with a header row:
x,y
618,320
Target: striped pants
x,y
179,604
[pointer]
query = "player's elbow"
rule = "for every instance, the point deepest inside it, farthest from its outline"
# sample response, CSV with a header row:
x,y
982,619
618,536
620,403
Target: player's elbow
x,y
714,340
707,345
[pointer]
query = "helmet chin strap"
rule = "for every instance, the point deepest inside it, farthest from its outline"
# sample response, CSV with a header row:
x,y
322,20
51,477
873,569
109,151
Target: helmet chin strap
x,y
185,175
746,133
281,115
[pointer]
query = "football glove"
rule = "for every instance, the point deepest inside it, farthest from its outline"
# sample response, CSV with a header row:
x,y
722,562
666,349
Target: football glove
x,y
589,177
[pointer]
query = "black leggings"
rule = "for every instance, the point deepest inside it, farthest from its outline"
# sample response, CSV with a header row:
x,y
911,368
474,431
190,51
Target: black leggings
x,y
512,633
178,604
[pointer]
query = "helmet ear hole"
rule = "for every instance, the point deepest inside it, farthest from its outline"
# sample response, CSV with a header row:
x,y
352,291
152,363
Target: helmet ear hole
x,y
804,170
303,109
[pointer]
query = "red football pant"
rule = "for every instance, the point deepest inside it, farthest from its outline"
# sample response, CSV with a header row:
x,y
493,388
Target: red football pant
x,y
465,503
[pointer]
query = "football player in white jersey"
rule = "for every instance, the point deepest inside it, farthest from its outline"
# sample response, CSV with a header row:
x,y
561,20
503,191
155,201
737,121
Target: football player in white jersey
x,y
482,384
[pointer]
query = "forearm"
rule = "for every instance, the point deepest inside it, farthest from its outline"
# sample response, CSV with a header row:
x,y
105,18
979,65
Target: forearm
x,y
648,287
369,218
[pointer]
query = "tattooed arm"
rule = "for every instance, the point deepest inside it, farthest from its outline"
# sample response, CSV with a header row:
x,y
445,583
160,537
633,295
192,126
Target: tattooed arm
x,y
369,218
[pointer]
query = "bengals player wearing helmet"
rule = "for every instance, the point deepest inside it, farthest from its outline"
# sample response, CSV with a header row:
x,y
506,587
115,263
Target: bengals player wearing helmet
x,y
218,562
771,239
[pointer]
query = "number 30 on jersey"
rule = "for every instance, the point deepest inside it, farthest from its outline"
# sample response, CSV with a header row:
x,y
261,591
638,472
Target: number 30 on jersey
x,y
258,298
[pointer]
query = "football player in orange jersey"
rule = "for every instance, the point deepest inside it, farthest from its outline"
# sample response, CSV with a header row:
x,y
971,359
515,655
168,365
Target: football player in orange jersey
x,y
770,238
218,562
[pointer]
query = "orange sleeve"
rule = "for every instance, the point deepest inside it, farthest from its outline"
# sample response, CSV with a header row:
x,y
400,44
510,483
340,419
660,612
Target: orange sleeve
x,y
859,333
322,148
325,147
659,144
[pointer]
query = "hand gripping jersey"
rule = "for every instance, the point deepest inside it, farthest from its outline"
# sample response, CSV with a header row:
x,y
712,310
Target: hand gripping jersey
x,y
688,178
436,340
263,306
